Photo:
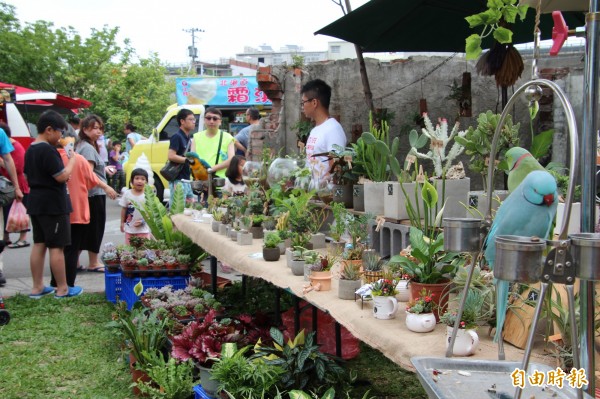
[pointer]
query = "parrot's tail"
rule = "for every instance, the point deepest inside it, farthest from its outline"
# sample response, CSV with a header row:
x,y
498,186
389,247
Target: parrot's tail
x,y
501,305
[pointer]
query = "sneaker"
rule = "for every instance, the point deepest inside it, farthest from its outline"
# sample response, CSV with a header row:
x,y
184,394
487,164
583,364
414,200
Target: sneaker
x,y
73,291
45,291
2,279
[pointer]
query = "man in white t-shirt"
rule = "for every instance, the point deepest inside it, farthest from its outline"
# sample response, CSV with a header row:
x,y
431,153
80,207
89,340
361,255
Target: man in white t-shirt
x,y
316,95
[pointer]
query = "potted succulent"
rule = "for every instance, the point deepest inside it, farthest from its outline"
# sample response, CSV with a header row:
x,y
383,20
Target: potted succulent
x,y
379,158
385,303
320,270
271,251
372,266
419,312
216,222
467,340
349,281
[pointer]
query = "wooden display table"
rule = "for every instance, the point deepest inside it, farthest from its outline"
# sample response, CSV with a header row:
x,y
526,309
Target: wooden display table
x,y
391,337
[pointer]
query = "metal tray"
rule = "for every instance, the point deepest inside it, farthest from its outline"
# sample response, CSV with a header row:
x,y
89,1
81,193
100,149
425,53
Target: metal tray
x,y
483,374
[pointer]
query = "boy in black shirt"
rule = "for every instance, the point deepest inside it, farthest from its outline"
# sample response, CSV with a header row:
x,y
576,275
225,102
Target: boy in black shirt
x,y
49,206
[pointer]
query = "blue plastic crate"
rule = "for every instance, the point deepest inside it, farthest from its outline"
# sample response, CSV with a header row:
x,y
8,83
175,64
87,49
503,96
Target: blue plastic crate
x,y
200,394
112,286
127,294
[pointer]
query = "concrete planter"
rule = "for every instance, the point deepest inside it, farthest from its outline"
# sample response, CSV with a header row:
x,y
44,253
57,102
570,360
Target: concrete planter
x,y
215,225
297,267
456,196
343,194
374,197
479,200
223,229
347,288
318,240
394,200
244,238
358,197
233,234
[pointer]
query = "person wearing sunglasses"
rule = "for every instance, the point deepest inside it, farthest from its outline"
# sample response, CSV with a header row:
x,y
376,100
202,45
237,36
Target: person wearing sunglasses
x,y
316,95
214,145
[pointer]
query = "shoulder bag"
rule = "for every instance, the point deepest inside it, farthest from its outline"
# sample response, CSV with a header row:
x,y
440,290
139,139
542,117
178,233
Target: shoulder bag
x,y
172,169
7,191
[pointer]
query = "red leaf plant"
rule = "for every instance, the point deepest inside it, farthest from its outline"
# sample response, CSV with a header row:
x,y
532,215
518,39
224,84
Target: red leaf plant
x,y
201,341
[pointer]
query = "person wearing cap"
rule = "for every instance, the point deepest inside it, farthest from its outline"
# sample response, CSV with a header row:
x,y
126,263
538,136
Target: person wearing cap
x,y
49,206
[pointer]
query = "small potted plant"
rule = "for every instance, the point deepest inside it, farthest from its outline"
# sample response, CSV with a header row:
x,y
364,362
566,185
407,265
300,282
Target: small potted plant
x,y
372,266
298,240
256,227
244,237
419,312
271,252
385,303
320,270
338,227
216,222
143,264
349,281
467,340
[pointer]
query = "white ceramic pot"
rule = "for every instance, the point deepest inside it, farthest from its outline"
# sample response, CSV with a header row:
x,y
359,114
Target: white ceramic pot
x,y
403,294
384,307
422,322
466,341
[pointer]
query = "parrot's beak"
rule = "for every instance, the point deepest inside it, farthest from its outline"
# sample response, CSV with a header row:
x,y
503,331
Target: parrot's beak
x,y
549,199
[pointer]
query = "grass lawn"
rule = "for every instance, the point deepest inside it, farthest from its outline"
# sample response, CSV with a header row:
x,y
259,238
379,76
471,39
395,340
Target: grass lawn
x,y
64,349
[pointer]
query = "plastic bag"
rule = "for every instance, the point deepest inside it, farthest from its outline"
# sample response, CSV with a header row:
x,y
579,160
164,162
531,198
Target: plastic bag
x,y
18,219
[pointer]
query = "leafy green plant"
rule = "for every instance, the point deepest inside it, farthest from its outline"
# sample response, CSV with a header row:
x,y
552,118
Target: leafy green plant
x,y
376,154
427,263
143,329
160,224
357,227
342,171
305,366
493,22
302,129
169,379
478,142
272,240
340,217
241,377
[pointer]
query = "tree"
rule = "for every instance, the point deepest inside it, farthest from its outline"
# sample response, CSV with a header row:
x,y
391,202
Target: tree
x,y
97,69
134,93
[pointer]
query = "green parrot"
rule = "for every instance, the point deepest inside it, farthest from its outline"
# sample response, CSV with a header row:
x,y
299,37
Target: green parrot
x,y
520,164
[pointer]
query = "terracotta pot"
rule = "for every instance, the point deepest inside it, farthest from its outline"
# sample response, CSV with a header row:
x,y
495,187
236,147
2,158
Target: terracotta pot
x,y
321,279
440,295
137,375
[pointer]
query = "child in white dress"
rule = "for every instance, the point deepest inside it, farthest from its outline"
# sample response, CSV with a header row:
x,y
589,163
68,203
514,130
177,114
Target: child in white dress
x,y
132,223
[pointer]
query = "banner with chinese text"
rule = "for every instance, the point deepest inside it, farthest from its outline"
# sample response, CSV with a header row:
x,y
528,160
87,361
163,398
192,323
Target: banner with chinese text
x,y
222,91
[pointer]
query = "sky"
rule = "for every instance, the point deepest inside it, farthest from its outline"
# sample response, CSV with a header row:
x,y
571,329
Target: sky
x,y
228,25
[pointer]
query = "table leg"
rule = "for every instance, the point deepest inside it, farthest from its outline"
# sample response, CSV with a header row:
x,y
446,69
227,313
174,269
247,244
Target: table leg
x,y
244,285
213,275
277,306
296,303
315,321
338,339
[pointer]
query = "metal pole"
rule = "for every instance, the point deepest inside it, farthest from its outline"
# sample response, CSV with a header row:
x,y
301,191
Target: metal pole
x,y
588,171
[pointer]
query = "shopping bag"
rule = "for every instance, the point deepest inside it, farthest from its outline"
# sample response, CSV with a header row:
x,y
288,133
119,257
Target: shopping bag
x,y
18,219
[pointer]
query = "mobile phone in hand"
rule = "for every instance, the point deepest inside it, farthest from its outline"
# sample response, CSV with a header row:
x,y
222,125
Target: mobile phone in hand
x,y
69,148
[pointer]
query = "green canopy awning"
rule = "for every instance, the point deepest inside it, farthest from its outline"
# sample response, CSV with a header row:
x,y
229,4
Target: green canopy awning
x,y
427,25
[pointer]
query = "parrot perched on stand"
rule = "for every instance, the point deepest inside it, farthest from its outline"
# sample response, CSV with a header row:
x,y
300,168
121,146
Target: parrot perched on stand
x,y
198,166
528,211
520,163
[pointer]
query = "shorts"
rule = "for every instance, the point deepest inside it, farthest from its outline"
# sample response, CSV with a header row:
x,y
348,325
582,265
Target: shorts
x,y
54,231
